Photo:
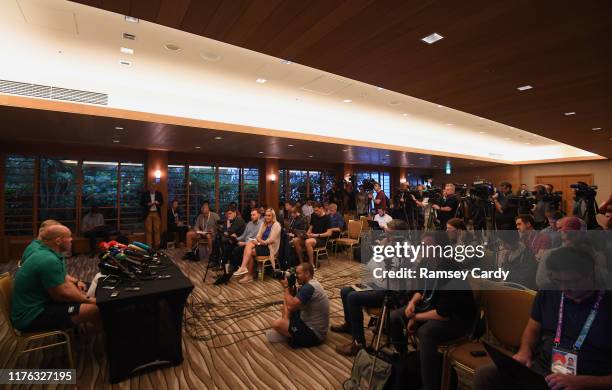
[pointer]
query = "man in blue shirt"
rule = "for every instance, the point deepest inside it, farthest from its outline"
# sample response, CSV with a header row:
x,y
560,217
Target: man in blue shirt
x,y
337,221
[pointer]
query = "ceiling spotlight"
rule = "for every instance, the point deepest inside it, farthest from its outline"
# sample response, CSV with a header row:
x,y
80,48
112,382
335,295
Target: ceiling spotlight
x,y
310,156
261,81
432,38
481,118
290,145
124,62
172,46
421,158
524,87
198,147
405,114
449,124
439,105
387,155
347,101
345,150
118,128
527,143
116,141
570,113
379,88
218,137
286,62
131,37
126,50
596,128
482,132
131,19
209,56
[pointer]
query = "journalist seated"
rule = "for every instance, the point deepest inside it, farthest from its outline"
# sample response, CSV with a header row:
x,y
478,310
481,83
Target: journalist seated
x,y
45,297
305,316
249,234
266,243
318,231
440,311
93,227
233,226
514,257
336,220
176,223
570,321
382,218
205,227
535,241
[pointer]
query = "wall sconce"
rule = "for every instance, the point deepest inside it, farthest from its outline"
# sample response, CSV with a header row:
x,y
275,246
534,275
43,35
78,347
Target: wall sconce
x,y
157,176
403,180
272,177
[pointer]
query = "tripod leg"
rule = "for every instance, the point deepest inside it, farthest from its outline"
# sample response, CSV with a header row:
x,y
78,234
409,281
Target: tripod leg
x,y
381,325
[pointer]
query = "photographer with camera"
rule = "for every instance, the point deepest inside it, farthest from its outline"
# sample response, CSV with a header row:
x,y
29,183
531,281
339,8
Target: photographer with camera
x,y
507,208
305,318
448,206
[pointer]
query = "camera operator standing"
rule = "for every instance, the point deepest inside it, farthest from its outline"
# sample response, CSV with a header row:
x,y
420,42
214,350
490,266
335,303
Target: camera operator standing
x,y
448,208
507,210
305,318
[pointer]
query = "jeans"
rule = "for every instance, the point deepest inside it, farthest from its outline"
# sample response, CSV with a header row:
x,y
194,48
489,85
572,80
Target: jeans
x,y
353,303
431,334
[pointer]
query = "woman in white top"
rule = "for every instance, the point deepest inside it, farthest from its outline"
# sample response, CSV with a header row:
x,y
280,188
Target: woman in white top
x,y
266,243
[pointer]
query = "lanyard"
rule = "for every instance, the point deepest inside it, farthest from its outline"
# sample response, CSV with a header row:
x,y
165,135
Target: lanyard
x,y
585,328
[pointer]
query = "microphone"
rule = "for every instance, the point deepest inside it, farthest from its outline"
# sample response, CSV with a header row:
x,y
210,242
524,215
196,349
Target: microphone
x,y
137,249
142,246
103,246
116,244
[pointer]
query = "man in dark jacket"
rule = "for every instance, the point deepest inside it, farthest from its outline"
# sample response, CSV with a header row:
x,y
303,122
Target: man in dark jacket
x,y
151,203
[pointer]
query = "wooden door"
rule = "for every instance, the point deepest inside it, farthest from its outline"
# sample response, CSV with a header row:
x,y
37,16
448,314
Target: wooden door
x,y
562,183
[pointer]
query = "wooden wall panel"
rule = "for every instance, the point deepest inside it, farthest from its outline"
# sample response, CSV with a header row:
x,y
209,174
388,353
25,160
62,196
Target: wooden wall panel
x,y
494,175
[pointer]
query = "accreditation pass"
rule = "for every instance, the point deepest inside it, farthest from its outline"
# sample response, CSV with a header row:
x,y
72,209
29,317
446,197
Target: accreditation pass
x,y
18,376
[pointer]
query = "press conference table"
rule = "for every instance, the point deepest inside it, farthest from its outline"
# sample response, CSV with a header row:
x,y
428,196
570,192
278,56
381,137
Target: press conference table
x,y
143,328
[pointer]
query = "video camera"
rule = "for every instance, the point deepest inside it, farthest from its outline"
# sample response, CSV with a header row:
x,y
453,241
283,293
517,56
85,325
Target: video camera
x,y
583,190
434,194
481,190
289,275
368,185
461,190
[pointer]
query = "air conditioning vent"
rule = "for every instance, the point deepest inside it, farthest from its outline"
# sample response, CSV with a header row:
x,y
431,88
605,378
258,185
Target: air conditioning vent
x,y
53,93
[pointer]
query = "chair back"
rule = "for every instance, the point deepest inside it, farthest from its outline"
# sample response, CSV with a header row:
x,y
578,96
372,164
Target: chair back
x,y
6,295
347,219
354,230
507,311
364,223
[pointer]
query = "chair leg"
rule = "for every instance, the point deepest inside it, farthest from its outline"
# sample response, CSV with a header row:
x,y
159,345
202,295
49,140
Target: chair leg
x,y
69,351
262,267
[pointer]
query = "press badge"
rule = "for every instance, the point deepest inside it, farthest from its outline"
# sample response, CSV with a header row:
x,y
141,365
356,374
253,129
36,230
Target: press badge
x,y
563,362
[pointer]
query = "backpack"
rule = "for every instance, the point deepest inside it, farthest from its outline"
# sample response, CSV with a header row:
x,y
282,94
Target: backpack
x,y
362,369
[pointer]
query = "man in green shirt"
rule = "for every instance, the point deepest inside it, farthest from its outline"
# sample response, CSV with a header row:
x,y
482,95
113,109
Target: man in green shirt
x,y
35,244
45,297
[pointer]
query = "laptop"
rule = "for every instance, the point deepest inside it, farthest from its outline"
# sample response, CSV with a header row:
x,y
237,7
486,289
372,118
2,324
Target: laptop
x,y
524,376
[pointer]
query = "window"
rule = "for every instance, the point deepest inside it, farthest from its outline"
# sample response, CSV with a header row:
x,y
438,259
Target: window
x,y
201,188
132,184
301,185
250,186
314,178
229,187
383,178
18,195
297,185
57,191
177,186
100,189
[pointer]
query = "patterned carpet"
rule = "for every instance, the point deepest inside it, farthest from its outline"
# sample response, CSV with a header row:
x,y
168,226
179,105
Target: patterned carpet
x,y
224,345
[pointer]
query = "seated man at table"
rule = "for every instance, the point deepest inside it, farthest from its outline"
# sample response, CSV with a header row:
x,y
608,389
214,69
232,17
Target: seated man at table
x,y
93,226
35,244
571,320
205,227
305,317
45,297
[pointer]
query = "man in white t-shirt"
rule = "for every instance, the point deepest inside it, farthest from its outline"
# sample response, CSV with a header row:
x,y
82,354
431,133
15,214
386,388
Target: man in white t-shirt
x,y
382,218
307,209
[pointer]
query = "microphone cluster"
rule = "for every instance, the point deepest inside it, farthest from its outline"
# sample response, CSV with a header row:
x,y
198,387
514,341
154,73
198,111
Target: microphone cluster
x,y
128,260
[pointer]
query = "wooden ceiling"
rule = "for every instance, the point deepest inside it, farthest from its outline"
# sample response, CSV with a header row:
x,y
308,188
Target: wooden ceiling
x,y
26,125
489,49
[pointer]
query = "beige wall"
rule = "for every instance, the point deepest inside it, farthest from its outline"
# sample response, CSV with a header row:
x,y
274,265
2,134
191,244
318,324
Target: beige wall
x,y
601,171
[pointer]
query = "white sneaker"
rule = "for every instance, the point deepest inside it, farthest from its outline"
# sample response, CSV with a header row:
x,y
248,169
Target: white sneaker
x,y
241,271
275,337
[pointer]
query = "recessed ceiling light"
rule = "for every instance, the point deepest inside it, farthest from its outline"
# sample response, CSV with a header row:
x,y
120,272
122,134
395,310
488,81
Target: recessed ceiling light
x,y
345,150
131,19
198,147
439,105
524,87
261,81
394,103
310,156
421,158
379,88
347,101
210,56
482,132
124,62
260,152
570,113
118,128
432,38
449,124
387,155
172,46
527,143
131,37
596,128
116,141
218,137
481,118
286,62
290,145
126,50
405,114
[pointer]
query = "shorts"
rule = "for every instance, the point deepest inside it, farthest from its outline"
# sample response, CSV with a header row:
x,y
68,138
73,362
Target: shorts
x,y
301,335
262,250
55,316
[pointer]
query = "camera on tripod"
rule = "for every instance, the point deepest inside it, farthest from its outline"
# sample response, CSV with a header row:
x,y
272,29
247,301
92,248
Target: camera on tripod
x,y
368,185
289,275
583,190
434,194
481,190
553,199
461,190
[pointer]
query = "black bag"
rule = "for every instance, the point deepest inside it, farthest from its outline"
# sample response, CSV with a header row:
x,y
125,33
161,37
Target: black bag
x,y
192,255
405,372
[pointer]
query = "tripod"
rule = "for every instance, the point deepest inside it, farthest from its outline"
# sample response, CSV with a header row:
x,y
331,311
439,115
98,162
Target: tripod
x,y
218,252
589,215
385,320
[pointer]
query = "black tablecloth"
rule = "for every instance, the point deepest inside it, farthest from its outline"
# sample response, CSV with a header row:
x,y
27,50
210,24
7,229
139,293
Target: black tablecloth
x,y
143,328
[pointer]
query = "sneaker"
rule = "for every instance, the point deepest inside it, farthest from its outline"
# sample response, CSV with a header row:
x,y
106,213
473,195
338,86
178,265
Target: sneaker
x,y
344,328
246,279
241,271
274,337
349,349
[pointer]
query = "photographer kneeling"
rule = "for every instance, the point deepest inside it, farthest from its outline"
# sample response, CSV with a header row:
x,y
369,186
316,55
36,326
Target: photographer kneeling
x,y
305,317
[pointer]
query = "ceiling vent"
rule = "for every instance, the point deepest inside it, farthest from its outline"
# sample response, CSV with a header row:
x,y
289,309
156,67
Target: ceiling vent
x,y
53,93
